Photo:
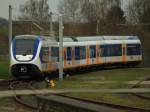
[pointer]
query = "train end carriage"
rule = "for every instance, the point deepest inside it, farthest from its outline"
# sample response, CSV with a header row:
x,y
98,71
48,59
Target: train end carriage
x,y
121,50
24,60
133,51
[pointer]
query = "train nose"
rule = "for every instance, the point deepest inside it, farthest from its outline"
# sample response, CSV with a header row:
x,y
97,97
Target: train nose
x,y
25,71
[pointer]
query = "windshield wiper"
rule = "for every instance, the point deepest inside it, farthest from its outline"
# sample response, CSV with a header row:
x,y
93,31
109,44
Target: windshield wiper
x,y
28,51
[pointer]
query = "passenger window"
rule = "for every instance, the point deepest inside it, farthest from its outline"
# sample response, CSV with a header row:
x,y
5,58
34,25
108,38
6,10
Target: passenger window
x,y
92,51
54,54
111,50
69,56
82,52
102,51
77,53
115,50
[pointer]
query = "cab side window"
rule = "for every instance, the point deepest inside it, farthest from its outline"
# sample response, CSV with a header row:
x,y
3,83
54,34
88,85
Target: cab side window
x,y
54,54
45,54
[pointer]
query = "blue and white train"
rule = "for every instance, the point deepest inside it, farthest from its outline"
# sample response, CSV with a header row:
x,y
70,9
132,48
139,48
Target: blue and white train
x,y
36,56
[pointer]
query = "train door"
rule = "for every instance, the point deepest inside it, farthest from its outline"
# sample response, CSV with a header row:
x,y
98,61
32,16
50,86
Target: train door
x,y
87,55
73,56
64,57
77,56
98,54
54,58
107,54
93,54
82,55
124,53
102,54
69,56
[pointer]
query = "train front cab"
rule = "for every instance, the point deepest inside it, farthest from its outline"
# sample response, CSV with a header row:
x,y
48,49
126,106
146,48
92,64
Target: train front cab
x,y
25,61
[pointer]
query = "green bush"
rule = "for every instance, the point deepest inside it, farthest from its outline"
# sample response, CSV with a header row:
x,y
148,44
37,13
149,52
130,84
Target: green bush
x,y
3,31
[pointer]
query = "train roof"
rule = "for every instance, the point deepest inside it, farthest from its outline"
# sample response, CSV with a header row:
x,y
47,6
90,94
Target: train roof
x,y
95,38
98,38
88,40
80,39
25,36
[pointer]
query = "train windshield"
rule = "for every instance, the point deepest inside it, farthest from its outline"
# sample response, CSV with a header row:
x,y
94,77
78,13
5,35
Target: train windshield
x,y
24,46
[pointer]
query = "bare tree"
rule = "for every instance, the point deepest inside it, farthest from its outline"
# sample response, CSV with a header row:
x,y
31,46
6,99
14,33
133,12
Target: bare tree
x,y
86,10
89,10
43,10
70,9
97,9
35,10
115,15
138,11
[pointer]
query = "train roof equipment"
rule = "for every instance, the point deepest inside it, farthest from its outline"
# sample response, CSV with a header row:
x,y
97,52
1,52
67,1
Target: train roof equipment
x,y
83,38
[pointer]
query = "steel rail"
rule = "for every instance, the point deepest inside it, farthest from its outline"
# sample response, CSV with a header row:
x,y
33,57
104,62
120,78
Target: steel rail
x,y
17,98
117,106
137,85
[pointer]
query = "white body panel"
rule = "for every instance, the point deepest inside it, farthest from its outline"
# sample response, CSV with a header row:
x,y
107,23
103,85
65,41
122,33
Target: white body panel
x,y
115,59
24,58
133,58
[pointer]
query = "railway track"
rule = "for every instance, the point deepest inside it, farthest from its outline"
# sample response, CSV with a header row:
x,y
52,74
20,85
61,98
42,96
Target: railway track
x,y
137,86
87,101
4,84
28,85
14,85
67,104
116,106
106,104
134,86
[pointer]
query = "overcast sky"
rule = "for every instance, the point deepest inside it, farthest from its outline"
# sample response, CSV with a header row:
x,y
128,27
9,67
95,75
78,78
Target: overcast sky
x,y
16,3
